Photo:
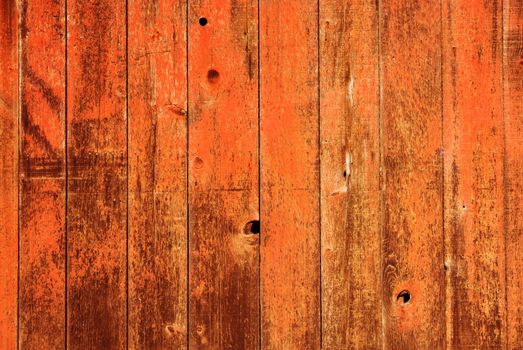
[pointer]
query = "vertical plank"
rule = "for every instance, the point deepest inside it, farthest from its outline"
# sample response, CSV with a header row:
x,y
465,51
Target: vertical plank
x,y
474,179
351,244
513,168
8,173
97,168
42,175
413,272
223,174
289,138
157,174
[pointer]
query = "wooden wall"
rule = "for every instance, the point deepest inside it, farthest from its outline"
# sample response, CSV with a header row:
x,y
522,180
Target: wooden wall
x,y
261,174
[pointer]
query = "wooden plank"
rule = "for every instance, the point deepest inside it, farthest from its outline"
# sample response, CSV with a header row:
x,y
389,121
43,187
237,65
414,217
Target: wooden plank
x,y
413,272
223,174
97,174
474,179
351,292
42,175
157,175
289,137
513,166
8,173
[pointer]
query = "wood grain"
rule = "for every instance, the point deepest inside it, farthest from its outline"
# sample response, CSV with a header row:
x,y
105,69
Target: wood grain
x,y
513,167
410,45
474,173
157,174
289,137
8,173
223,174
42,175
350,194
97,174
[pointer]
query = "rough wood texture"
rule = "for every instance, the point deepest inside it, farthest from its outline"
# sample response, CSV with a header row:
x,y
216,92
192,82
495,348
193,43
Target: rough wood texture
x,y
474,179
42,175
157,175
8,173
350,175
379,143
290,198
97,174
410,39
223,174
513,167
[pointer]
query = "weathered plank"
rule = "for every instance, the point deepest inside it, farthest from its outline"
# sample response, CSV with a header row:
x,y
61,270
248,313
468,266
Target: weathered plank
x,y
351,297
157,174
42,175
290,210
8,173
223,174
474,179
97,168
411,97
513,167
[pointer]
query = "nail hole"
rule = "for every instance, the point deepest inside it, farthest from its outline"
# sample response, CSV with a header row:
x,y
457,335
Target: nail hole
x,y
252,227
202,21
345,173
213,75
404,295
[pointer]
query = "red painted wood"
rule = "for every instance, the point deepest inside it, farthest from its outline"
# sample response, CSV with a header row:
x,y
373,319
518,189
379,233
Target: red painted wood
x,y
157,175
513,166
411,129
8,173
97,175
349,101
474,174
42,175
223,175
289,158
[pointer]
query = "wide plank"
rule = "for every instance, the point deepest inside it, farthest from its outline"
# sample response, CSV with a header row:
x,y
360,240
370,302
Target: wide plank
x,y
223,174
8,173
290,180
157,174
411,129
474,174
97,175
42,175
350,217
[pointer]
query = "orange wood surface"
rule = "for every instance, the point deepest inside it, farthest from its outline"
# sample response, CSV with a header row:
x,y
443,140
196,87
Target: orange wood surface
x,y
261,174
350,216
9,101
42,175
474,174
223,174
157,174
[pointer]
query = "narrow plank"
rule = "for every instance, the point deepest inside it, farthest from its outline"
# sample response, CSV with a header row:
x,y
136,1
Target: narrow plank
x,y
97,181
513,167
413,272
351,297
42,175
8,173
223,174
474,179
157,175
289,137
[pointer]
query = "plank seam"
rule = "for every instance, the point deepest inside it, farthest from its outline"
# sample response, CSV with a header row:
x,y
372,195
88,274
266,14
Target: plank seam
x,y
19,116
380,173
259,188
319,169
187,226
127,174
505,166
66,236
